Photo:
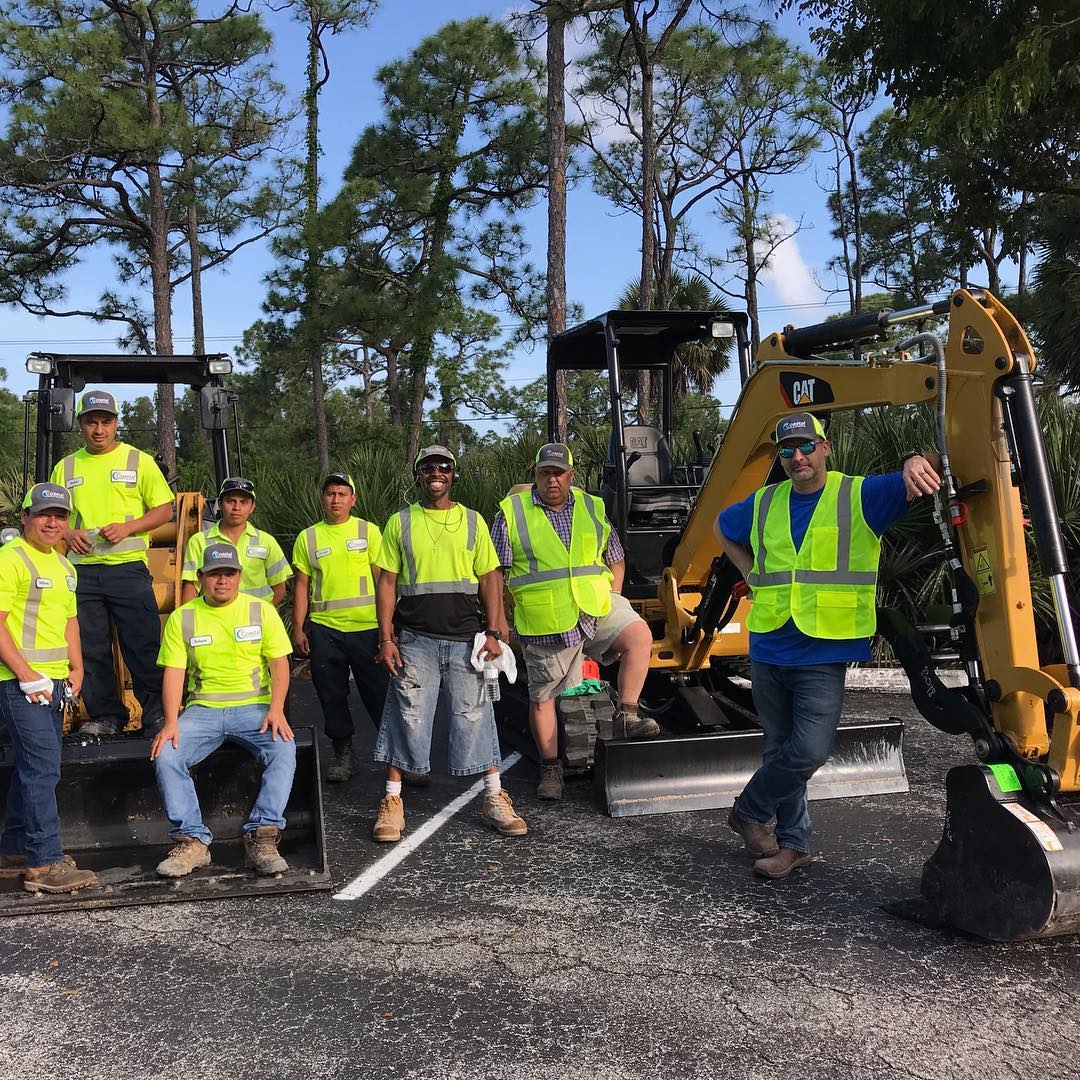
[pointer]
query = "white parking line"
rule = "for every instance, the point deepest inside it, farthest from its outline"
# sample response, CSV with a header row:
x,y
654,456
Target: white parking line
x,y
404,848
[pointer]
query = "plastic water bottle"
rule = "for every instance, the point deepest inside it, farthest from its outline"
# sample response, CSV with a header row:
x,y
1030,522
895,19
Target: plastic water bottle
x,y
491,682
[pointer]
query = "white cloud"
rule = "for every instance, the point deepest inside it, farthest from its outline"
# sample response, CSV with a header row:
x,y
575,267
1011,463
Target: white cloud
x,y
787,273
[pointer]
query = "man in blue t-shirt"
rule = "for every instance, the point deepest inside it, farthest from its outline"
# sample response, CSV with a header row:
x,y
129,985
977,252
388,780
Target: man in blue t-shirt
x,y
798,672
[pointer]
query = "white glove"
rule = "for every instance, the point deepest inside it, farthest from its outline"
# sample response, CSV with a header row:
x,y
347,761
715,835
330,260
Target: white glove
x,y
37,691
504,662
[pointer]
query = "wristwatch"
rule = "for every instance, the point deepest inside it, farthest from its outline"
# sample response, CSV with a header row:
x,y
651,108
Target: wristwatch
x,y
911,454
496,634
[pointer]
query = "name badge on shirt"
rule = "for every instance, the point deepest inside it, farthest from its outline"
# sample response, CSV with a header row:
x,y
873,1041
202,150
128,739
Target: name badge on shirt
x,y
322,553
124,476
256,552
74,482
356,544
43,583
202,639
71,583
248,633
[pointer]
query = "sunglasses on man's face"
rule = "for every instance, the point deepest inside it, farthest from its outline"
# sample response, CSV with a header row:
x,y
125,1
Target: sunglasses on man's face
x,y
430,467
804,448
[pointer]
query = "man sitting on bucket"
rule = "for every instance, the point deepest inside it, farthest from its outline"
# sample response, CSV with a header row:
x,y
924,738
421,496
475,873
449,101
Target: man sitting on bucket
x,y
235,652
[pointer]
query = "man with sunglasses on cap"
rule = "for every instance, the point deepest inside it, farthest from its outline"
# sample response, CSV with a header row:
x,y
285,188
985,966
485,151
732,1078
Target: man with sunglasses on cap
x,y
118,497
334,615
808,548
265,567
564,567
39,649
234,651
440,587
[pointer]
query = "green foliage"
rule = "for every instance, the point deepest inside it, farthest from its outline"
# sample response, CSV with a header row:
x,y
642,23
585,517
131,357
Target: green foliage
x,y
1054,309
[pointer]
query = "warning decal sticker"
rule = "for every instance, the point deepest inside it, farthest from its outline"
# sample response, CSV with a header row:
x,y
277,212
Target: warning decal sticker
x,y
982,571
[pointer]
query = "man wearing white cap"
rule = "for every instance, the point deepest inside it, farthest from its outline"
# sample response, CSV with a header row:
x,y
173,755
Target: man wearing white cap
x,y
118,497
808,548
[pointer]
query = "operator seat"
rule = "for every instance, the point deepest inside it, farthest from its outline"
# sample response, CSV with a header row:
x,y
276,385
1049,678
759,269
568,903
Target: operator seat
x,y
652,468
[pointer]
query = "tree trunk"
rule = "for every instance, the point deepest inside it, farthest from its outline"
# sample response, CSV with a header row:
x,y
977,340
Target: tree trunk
x,y
366,373
556,221
393,387
313,339
749,236
195,255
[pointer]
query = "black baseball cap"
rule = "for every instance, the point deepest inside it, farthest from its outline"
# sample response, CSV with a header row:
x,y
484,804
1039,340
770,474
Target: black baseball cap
x,y
555,454
799,425
43,497
338,478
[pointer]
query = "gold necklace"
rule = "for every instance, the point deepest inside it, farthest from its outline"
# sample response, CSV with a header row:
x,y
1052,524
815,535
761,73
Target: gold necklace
x,y
445,525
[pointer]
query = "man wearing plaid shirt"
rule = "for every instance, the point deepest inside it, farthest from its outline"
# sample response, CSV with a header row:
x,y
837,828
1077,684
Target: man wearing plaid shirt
x,y
554,659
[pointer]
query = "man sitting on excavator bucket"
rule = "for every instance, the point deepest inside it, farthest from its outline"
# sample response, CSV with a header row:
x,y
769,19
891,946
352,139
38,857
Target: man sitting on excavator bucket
x,y
235,652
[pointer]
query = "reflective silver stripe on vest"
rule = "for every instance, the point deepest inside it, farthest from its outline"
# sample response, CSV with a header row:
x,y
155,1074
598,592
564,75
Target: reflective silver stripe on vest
x,y
261,591
312,544
464,586
759,576
31,613
843,574
69,474
187,629
521,523
272,571
597,524
255,610
133,466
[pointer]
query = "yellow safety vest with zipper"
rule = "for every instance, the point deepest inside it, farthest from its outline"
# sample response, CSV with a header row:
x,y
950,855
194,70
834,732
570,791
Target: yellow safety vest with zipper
x,y
38,591
342,585
552,585
829,586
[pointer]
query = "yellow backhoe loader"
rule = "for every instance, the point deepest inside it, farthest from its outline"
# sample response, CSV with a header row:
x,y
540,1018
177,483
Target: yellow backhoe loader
x,y
110,810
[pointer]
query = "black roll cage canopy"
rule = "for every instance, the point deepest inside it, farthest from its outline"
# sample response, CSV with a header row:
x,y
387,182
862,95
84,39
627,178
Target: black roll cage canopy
x,y
62,376
623,340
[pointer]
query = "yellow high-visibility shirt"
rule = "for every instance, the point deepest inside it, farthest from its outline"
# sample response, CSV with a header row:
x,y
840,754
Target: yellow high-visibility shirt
x,y
106,488
225,649
338,559
260,554
37,591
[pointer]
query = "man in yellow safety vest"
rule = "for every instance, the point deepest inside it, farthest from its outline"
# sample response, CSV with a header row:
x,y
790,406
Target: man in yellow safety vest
x,y
266,570
334,615
39,649
440,587
564,567
808,548
118,497
234,651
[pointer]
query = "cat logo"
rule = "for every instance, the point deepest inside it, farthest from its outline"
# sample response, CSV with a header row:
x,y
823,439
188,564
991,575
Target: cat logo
x,y
798,389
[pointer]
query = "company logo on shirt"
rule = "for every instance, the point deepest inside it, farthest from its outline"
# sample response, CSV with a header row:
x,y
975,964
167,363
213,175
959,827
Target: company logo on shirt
x,y
124,476
257,552
71,583
356,545
248,633
798,389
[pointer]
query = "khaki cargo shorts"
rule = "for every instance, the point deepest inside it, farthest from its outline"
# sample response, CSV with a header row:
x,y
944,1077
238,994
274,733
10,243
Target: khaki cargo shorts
x,y
555,668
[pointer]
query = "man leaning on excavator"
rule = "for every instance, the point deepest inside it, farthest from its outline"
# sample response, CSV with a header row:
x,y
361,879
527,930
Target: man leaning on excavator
x,y
808,548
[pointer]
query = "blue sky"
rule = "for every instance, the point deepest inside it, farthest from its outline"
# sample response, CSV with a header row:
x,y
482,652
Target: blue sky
x,y
602,248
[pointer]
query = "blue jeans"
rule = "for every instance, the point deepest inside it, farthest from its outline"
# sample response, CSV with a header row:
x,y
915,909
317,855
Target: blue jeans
x,y
32,826
799,709
437,672
202,731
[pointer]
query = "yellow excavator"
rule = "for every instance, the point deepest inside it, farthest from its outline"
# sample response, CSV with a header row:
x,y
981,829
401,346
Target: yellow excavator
x,y
1008,865
109,805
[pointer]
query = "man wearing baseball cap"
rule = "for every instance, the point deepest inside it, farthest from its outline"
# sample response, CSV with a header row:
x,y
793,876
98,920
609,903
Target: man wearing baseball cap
x,y
118,497
234,651
334,615
39,649
808,548
440,586
564,566
265,567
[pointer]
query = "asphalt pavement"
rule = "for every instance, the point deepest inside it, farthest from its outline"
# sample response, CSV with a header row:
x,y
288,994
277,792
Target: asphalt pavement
x,y
592,948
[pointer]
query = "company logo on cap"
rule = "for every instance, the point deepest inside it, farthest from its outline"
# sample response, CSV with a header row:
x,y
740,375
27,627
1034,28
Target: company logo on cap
x,y
52,493
98,400
220,554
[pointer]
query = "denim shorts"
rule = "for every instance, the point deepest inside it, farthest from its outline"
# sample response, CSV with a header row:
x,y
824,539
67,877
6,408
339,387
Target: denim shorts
x,y
436,675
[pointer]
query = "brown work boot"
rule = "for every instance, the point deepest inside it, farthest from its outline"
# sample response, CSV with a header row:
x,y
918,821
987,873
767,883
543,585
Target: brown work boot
x,y
261,853
62,876
343,766
189,854
551,780
498,812
782,863
391,820
629,725
760,841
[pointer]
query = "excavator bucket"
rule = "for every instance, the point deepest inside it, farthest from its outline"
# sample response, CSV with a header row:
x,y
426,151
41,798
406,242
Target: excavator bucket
x,y
1005,868
112,823
707,771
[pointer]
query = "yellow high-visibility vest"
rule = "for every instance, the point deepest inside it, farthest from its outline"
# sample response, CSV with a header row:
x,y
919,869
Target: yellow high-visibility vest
x,y
552,585
829,586
439,564
338,559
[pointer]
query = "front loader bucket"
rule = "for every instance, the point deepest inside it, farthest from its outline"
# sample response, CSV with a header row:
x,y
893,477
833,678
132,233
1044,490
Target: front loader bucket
x,y
1004,869
112,822
706,772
